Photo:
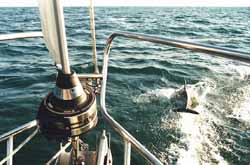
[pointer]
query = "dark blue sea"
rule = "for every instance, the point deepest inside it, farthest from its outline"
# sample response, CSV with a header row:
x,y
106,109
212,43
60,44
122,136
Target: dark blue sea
x,y
142,77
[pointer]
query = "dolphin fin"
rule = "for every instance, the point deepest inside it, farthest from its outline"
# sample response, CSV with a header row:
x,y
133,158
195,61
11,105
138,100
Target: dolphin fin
x,y
186,110
192,111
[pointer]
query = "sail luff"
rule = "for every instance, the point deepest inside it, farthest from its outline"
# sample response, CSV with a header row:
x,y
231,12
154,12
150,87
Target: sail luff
x,y
53,28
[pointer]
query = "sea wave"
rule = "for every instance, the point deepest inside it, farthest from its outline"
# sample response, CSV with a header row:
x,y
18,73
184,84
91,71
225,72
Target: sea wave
x,y
142,78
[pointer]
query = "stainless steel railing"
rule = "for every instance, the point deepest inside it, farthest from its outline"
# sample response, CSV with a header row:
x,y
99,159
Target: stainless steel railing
x,y
9,136
197,47
127,137
14,36
18,130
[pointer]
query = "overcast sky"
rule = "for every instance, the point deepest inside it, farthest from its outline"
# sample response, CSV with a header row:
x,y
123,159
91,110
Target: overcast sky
x,y
228,3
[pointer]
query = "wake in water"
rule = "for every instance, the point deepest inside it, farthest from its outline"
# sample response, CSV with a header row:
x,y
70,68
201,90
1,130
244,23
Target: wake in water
x,y
199,135
220,133
198,141
241,109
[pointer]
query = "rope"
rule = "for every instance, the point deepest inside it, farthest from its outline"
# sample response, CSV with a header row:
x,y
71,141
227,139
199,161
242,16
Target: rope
x,y
92,28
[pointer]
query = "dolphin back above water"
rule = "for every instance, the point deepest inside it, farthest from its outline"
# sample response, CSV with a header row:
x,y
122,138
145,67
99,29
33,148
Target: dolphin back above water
x,y
185,100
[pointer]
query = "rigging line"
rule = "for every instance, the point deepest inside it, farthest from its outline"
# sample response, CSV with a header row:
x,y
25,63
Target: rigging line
x,y
93,37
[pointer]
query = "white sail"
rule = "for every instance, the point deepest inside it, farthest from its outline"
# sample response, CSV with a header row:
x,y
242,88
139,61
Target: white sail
x,y
53,28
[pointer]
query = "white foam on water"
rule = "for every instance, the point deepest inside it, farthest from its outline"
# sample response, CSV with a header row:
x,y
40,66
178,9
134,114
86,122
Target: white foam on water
x,y
243,113
157,93
199,143
242,71
192,140
163,92
199,137
241,110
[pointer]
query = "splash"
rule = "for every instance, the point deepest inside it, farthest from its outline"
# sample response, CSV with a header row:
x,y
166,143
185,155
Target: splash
x,y
243,71
200,140
240,72
155,94
241,109
199,136
198,144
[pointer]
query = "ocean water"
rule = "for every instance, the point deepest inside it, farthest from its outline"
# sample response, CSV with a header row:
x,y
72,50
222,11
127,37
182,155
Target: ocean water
x,y
142,78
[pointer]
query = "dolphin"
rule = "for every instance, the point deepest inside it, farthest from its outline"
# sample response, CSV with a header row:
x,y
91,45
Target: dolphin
x,y
185,100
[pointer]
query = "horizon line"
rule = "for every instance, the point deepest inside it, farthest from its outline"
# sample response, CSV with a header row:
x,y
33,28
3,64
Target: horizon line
x,y
131,6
